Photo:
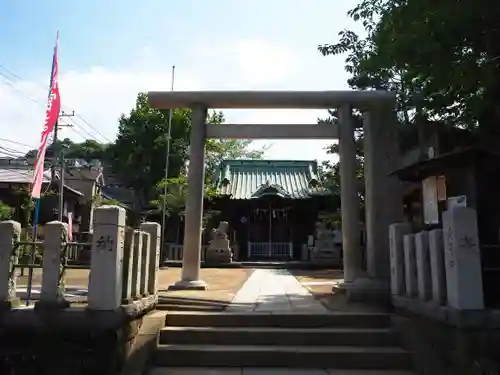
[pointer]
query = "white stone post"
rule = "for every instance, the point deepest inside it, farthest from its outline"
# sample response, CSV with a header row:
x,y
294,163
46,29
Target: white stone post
x,y
462,259
154,230
423,266
146,244
106,267
383,191
349,199
410,265
190,278
128,262
53,279
436,250
136,267
396,234
10,232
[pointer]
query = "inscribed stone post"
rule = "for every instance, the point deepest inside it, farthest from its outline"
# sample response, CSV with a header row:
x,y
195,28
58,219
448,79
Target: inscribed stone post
x,y
410,265
154,230
438,278
146,241
10,232
396,248
106,267
136,266
423,266
128,261
462,259
53,279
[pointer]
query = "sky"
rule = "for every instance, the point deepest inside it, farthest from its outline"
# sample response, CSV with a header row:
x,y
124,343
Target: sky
x,y
111,50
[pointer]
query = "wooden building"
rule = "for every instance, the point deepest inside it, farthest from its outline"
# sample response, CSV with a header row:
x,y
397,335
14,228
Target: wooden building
x,y
467,174
271,206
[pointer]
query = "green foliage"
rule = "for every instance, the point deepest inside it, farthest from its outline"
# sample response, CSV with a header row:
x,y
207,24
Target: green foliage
x,y
87,150
99,201
6,211
138,155
175,198
329,171
440,57
217,150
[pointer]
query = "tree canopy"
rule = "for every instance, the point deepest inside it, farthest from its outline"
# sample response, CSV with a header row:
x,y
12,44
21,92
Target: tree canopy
x,y
440,57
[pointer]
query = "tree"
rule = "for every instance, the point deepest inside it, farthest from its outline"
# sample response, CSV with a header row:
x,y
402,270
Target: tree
x,y
6,211
218,150
329,171
138,155
440,57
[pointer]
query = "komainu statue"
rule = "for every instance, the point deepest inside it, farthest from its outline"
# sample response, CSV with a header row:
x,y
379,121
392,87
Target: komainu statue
x,y
218,250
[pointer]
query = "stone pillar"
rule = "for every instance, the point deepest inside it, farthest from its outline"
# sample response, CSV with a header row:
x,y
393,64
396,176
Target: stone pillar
x,y
410,265
423,265
190,278
106,266
154,230
438,278
349,199
136,265
396,247
383,192
462,259
128,263
10,232
146,242
53,278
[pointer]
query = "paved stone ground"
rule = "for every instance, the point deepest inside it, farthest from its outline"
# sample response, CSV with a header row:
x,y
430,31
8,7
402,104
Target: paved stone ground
x,y
223,284
274,290
320,282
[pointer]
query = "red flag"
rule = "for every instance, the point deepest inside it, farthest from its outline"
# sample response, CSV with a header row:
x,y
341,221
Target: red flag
x,y
51,117
70,226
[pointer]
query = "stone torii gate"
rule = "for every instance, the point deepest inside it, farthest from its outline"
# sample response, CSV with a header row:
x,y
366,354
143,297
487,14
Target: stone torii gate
x,y
382,191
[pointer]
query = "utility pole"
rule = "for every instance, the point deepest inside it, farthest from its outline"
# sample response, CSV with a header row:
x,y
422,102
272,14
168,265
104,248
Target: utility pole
x,y
165,190
59,154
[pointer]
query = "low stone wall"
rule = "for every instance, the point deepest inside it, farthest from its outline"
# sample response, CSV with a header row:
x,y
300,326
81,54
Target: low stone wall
x,y
437,292
73,341
443,349
55,336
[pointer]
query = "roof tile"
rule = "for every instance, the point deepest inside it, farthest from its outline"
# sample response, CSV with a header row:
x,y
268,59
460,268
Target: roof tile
x,y
247,179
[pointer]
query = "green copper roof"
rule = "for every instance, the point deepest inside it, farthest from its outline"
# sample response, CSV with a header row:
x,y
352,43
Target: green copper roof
x,y
251,179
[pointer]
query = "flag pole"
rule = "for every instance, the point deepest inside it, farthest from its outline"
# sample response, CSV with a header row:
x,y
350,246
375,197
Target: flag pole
x,y
51,117
167,157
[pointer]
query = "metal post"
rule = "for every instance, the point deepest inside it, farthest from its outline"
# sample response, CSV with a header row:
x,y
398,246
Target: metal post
x,y
270,242
61,187
167,157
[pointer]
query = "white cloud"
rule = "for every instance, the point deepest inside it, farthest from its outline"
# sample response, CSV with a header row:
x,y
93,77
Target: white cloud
x,y
101,94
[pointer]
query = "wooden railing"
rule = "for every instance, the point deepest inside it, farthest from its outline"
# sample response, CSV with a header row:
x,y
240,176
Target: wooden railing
x,y
270,250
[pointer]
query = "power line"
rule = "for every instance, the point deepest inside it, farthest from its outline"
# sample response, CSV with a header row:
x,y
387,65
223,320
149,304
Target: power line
x,y
16,76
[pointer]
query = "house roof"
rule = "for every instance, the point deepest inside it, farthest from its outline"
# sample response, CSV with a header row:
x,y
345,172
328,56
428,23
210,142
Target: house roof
x,y
25,176
20,175
251,179
456,158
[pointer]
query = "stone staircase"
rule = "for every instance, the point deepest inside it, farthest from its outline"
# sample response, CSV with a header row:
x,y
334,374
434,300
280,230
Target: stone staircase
x,y
357,341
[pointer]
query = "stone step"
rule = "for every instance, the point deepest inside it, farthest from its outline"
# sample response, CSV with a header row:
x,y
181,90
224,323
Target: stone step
x,y
267,371
338,357
282,320
278,336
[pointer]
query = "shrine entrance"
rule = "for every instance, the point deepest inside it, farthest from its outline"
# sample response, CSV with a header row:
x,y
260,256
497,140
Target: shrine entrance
x,y
270,234
381,150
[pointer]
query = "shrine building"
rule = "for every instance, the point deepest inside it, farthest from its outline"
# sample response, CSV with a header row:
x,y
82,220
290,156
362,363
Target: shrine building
x,y
271,206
